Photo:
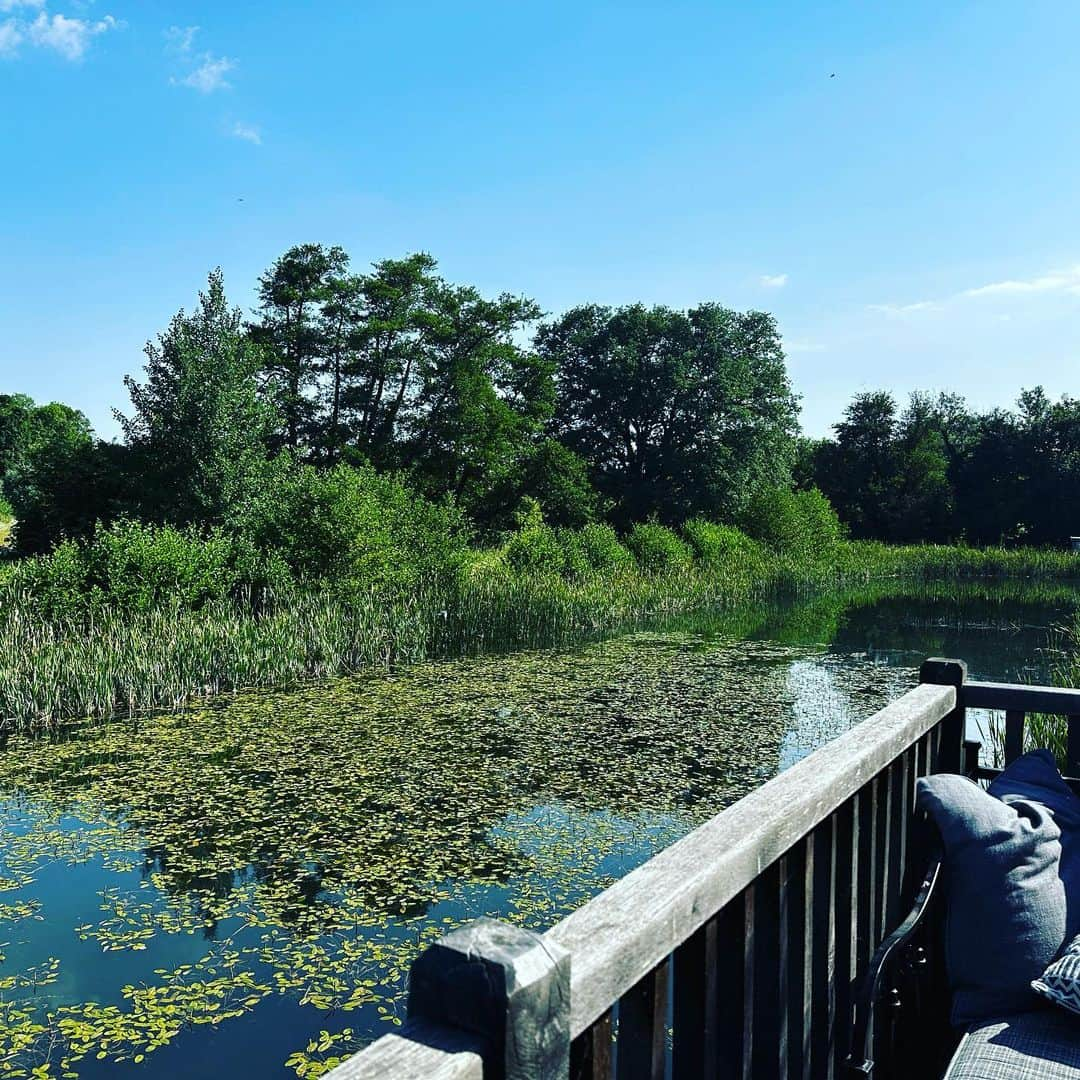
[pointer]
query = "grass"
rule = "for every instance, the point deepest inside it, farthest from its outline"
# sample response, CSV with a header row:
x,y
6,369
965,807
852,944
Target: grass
x,y
114,661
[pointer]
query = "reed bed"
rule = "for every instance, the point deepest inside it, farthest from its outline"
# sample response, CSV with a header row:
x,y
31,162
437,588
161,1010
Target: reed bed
x,y
119,662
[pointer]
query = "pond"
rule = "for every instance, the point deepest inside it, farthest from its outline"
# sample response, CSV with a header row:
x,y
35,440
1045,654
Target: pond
x,y
239,888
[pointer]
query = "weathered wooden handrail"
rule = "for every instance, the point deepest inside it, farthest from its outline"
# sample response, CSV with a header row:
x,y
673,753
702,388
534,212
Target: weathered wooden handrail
x,y
629,928
747,935
1016,702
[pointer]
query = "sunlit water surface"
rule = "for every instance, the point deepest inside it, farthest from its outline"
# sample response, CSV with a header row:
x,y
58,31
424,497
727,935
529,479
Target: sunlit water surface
x,y
239,889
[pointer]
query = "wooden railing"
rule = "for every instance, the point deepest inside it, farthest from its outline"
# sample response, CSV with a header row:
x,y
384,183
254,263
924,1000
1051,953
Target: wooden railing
x,y
1017,702
736,952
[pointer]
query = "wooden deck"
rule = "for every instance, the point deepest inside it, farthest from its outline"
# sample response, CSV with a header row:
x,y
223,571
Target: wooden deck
x,y
737,951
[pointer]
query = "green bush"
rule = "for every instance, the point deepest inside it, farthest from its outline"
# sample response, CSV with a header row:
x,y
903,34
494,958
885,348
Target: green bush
x,y
801,524
601,550
137,567
356,527
7,520
575,554
657,548
824,529
717,545
536,549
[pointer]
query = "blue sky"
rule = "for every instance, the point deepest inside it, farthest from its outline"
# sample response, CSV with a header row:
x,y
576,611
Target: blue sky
x,y
913,222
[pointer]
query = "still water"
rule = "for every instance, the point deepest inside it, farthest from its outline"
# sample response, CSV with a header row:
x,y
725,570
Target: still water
x,y
239,889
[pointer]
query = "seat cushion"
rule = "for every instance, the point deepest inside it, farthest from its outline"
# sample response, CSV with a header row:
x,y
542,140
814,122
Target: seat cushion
x,y
1004,899
1033,1046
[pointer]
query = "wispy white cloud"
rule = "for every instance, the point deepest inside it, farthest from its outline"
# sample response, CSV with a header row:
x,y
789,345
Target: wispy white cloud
x,y
209,76
181,39
1067,281
799,345
247,132
904,309
66,36
1060,282
10,38
69,36
773,281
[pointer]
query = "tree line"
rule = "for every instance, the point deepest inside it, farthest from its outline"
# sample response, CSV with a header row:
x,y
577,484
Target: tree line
x,y
620,414
938,471
617,414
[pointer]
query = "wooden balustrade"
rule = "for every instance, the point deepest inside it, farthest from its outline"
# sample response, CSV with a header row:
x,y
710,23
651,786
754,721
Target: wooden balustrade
x,y
1018,702
736,952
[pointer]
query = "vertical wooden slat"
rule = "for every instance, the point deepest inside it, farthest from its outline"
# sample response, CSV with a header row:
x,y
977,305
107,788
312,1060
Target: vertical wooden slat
x,y
795,958
590,1052
922,757
730,983
899,786
971,756
1014,735
1072,746
710,1040
905,815
883,844
694,993
938,671
847,873
862,891
749,971
766,1022
783,963
866,895
641,1042
818,1061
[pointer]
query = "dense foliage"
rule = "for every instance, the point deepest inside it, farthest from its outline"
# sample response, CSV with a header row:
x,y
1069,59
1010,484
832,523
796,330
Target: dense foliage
x,y
676,413
939,472
383,465
624,415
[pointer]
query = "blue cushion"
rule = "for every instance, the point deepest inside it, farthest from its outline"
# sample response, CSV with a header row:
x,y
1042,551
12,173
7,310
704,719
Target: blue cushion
x,y
1005,903
1035,777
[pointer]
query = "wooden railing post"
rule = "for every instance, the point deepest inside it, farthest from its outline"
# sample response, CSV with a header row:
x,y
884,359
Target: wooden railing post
x,y
942,672
506,985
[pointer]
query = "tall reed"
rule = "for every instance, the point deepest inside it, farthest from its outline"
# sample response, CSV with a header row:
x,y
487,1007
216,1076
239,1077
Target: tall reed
x,y
109,661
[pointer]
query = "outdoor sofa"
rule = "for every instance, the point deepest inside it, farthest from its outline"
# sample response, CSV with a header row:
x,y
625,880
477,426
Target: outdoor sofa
x,y
981,980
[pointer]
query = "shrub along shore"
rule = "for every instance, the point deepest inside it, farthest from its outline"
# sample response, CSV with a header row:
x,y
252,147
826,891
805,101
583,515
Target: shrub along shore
x,y
145,617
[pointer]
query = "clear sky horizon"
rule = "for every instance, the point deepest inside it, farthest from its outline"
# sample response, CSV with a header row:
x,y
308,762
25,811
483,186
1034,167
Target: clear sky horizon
x,y
897,183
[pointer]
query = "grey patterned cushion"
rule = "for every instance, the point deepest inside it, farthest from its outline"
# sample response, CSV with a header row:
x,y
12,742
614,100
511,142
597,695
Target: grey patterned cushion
x,y
1034,1046
1060,982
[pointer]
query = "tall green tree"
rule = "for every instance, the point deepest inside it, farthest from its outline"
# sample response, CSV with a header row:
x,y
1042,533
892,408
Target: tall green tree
x,y
48,464
387,360
482,399
887,473
200,428
677,413
291,327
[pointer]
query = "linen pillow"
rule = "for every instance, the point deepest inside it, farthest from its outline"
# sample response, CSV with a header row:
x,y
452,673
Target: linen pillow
x,y
1035,777
1005,902
1060,982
